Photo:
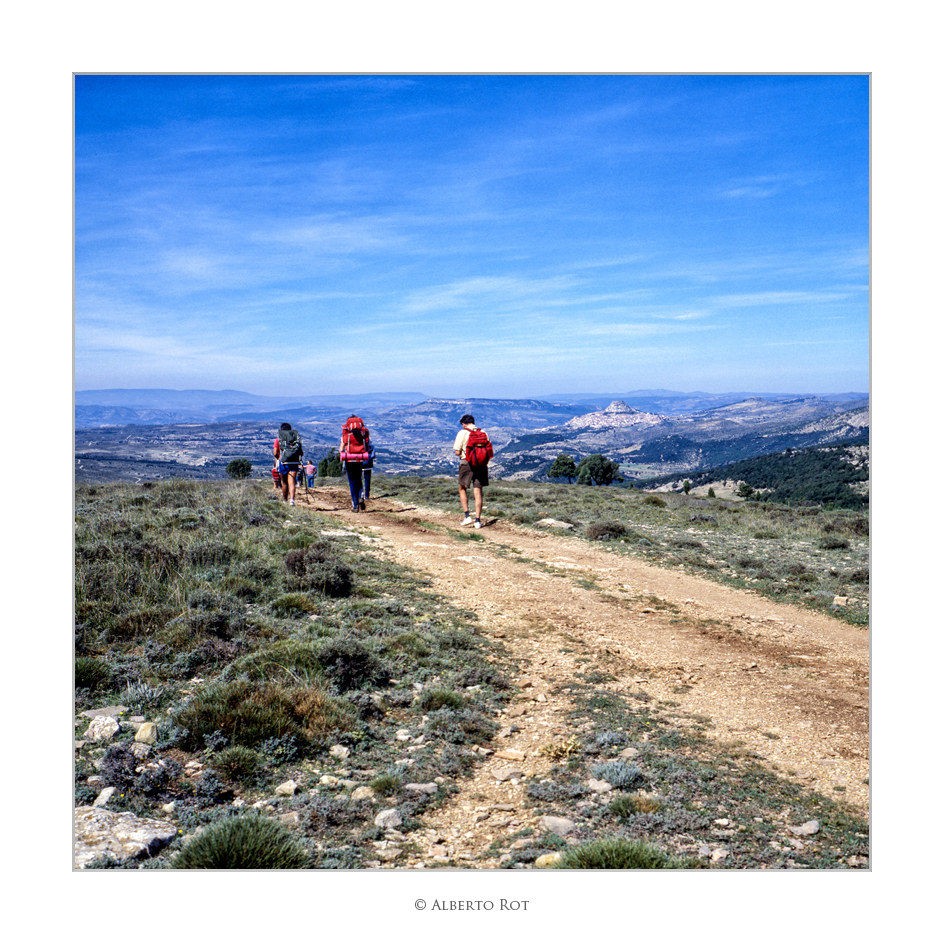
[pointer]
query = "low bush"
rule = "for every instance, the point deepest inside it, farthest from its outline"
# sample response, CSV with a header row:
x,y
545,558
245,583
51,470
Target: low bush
x,y
606,531
618,773
459,726
618,854
92,674
249,841
248,713
386,784
350,664
435,698
238,762
319,567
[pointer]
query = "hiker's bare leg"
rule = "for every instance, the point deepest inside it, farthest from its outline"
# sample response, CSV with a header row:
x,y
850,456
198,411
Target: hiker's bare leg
x,y
284,487
464,499
477,493
291,486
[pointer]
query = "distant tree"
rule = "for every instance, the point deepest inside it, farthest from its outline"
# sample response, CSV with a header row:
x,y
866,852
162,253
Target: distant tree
x,y
239,469
596,469
564,467
686,486
744,490
711,492
330,465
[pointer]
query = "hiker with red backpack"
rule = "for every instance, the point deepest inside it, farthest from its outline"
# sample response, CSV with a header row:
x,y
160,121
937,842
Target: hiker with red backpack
x,y
357,454
474,449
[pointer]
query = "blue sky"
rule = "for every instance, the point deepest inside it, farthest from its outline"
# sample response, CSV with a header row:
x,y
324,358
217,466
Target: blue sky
x,y
472,236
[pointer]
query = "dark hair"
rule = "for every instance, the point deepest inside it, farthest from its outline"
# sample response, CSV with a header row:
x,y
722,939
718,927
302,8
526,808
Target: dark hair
x,y
286,426
468,418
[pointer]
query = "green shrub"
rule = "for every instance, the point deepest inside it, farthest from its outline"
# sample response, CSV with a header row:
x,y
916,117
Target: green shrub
x,y
239,469
238,762
627,804
386,784
435,698
654,500
617,854
318,566
291,603
91,673
606,531
249,713
459,726
286,660
249,841
350,664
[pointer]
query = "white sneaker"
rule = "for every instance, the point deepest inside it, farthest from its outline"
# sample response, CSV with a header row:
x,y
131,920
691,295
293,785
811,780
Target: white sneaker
x,y
478,523
467,520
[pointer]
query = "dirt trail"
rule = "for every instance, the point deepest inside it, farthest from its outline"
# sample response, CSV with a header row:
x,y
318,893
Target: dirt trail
x,y
791,684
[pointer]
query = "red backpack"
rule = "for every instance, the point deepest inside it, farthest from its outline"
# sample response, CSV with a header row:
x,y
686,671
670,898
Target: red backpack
x,y
478,448
355,441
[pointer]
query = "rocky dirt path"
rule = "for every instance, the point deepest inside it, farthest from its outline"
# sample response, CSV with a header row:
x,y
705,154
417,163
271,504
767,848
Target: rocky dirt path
x,y
791,684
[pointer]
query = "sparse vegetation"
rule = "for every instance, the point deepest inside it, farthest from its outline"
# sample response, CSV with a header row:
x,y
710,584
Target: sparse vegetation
x,y
259,645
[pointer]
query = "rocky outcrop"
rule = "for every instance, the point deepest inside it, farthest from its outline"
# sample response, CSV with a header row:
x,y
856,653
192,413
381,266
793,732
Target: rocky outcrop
x,y
100,833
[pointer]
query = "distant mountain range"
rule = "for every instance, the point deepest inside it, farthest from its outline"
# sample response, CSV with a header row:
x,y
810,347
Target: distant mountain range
x,y
154,407
160,433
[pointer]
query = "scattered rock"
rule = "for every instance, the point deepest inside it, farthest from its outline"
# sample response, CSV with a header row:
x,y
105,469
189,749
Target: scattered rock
x,y
110,711
286,789
340,751
102,728
429,788
809,828
599,786
388,819
547,861
147,733
104,796
510,754
504,774
553,523
100,833
558,825
362,793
